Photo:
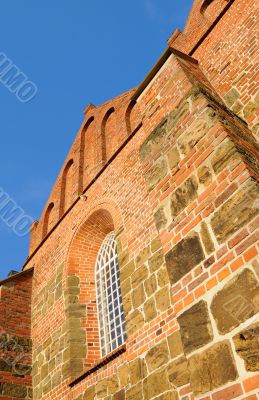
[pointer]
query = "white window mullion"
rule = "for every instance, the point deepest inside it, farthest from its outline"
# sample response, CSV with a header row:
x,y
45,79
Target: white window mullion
x,y
106,265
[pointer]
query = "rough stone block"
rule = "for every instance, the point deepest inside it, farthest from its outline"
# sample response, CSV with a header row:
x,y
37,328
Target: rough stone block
x,y
138,296
195,327
183,196
163,300
236,302
156,261
134,321
136,371
236,212
197,130
127,303
157,356
153,142
143,256
168,396
119,395
178,372
150,285
112,384
162,276
247,346
173,158
150,310
135,392
206,238
123,374
175,344
224,155
160,219
156,244
139,276
204,175
155,384
231,96
184,257
127,271
156,173
212,368
12,390
101,388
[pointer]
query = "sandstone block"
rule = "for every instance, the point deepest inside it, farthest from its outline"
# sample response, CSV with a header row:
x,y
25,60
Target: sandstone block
x,y
212,368
135,392
119,395
247,346
183,196
197,130
178,372
155,384
153,142
156,261
123,373
173,158
157,356
175,344
195,327
236,212
134,321
136,371
150,310
143,256
150,285
138,296
160,219
139,276
231,96
156,244
224,155
184,257
156,173
204,175
236,302
163,300
206,238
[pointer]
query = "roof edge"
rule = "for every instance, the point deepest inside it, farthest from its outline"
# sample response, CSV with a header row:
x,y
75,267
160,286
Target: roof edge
x,y
156,68
18,275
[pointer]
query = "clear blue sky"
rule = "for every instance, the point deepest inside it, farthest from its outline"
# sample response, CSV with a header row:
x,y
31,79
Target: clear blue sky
x,y
76,52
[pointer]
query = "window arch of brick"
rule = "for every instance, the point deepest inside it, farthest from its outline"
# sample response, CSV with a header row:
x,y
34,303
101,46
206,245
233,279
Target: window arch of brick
x,y
105,120
66,194
128,117
83,142
205,5
47,221
81,284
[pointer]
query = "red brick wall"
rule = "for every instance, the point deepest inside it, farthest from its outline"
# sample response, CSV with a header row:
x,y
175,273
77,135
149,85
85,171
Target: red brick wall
x,y
15,337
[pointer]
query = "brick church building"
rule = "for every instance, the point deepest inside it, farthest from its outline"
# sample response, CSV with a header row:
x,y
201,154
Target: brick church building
x,y
142,280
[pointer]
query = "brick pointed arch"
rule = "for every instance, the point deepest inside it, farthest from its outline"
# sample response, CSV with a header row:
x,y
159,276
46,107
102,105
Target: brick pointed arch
x,y
82,335
67,189
47,221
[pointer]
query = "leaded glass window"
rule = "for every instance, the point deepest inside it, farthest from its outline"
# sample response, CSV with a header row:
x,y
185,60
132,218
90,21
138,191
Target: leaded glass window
x,y
112,327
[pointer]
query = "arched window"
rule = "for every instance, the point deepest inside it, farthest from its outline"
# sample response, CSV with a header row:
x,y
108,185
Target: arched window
x,y
112,326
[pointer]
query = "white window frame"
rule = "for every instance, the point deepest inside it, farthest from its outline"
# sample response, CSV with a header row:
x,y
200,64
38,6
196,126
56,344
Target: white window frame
x,y
111,320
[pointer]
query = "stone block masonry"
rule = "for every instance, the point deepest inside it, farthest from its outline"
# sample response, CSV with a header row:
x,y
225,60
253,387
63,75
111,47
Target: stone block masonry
x,y
172,168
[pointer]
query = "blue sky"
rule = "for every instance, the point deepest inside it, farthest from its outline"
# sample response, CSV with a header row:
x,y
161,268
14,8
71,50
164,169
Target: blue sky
x,y
76,52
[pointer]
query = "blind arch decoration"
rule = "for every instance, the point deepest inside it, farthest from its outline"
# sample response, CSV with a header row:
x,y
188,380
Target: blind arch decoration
x,y
112,325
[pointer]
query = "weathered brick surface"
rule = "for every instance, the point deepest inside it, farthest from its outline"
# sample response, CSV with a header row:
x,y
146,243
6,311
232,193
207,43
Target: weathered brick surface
x,y
181,194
